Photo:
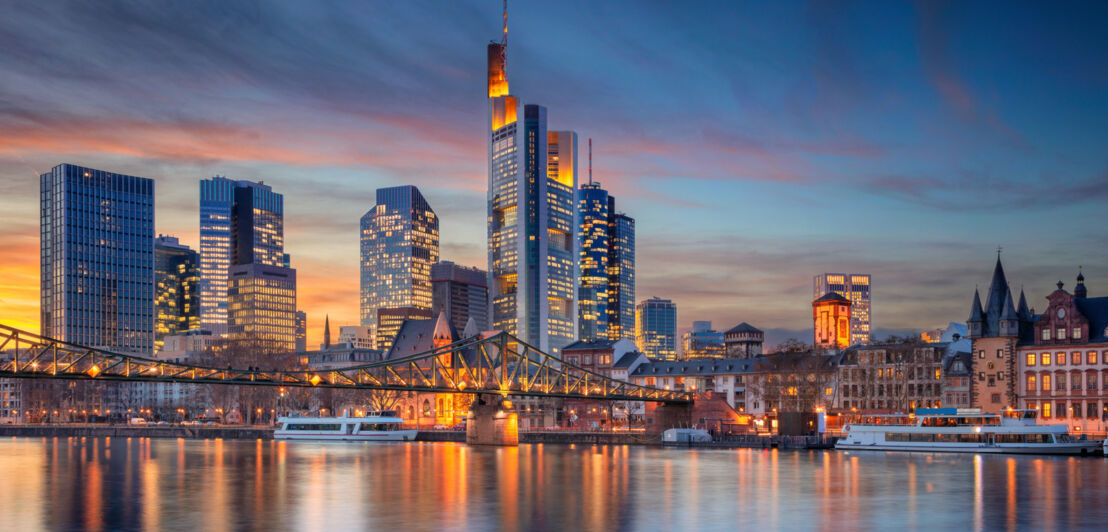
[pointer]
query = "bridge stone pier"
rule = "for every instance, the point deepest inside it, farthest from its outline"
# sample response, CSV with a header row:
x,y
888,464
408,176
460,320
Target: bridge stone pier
x,y
660,417
492,420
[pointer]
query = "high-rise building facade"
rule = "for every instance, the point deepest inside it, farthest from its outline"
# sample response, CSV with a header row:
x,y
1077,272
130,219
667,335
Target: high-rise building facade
x,y
621,273
703,342
856,288
606,293
301,331
262,304
399,243
176,295
656,325
462,293
241,222
97,258
532,234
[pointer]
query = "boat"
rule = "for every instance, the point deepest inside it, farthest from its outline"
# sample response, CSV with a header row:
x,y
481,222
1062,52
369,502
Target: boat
x,y
963,430
374,426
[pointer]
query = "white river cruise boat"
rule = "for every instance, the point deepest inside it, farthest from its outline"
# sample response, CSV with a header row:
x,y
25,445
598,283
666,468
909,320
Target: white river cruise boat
x,y
963,430
374,426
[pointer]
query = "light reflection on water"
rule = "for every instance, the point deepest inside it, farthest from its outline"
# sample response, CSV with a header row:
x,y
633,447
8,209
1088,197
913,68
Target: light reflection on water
x,y
142,484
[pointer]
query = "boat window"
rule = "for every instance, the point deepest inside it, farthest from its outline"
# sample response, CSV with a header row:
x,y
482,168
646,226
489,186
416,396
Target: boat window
x,y
380,426
1024,438
313,426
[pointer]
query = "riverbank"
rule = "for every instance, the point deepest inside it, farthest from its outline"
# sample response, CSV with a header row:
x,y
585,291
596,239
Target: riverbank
x,y
559,437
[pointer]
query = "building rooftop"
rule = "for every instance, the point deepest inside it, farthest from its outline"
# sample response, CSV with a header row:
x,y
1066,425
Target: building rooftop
x,y
1095,309
744,327
831,296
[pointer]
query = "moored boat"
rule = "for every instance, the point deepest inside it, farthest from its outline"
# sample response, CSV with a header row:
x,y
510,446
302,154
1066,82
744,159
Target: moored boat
x,y
374,426
963,431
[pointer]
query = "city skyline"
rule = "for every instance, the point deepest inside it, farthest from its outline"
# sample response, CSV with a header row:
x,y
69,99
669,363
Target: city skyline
x,y
734,267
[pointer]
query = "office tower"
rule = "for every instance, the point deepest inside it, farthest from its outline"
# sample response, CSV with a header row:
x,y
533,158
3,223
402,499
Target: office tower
x,y
606,240
656,324
855,287
241,222
97,245
621,273
176,284
703,342
831,321
400,242
389,321
358,336
531,228
301,331
462,293
262,304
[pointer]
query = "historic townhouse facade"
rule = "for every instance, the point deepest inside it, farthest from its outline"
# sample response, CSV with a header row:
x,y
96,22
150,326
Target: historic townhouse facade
x,y
1064,370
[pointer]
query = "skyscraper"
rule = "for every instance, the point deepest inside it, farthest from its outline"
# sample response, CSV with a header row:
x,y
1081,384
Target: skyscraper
x,y
656,323
462,293
247,290
97,258
703,342
301,331
400,242
855,287
176,295
531,222
606,293
241,222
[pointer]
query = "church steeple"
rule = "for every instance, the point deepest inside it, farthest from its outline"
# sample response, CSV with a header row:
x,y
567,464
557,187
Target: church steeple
x,y
326,331
1079,291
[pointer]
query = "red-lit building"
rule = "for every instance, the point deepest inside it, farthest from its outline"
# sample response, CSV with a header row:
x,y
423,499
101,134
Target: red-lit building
x,y
831,320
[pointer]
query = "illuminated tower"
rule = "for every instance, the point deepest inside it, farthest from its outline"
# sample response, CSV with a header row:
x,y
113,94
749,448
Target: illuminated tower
x,y
831,320
400,242
532,242
856,288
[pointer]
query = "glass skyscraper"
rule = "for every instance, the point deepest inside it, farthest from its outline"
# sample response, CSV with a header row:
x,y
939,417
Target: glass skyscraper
x,y
532,230
176,299
399,243
247,290
856,288
462,293
97,258
606,293
656,323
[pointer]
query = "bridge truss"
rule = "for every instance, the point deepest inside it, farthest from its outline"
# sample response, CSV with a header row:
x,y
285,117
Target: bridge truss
x,y
499,363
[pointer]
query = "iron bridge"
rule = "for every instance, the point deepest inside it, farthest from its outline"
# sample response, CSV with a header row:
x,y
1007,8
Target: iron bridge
x,y
499,363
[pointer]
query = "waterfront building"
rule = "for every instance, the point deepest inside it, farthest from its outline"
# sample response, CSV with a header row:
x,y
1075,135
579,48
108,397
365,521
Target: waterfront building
x,y
390,320
744,341
532,237
399,243
656,328
615,359
97,257
241,222
606,242
957,374
886,378
725,377
462,293
855,287
1063,363
358,336
262,304
831,321
995,330
301,330
703,342
801,381
176,289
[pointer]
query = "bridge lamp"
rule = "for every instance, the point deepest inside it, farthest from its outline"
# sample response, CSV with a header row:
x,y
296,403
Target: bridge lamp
x,y
315,380
93,371
34,365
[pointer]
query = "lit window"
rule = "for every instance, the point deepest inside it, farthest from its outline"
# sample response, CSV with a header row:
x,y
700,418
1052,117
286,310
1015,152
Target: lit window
x,y
1046,382
1046,409
1076,333
1046,334
1061,334
1030,359
1059,359
1030,383
1044,360
1075,358
1090,358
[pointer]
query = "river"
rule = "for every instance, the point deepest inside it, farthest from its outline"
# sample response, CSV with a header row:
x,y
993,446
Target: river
x,y
212,485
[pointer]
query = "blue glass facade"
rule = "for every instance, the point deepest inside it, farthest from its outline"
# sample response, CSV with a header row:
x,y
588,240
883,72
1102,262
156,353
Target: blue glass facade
x,y
621,274
606,293
656,322
399,243
176,295
97,258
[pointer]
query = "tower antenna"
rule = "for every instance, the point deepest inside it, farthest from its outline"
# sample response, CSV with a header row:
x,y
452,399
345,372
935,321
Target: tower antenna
x,y
505,41
590,156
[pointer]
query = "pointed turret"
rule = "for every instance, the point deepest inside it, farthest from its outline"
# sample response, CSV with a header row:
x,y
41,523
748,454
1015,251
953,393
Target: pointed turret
x,y
1009,321
976,320
443,333
1079,291
1022,311
471,328
326,331
994,302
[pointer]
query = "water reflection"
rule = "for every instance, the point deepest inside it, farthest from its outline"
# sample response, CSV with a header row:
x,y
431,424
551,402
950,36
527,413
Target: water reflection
x,y
141,484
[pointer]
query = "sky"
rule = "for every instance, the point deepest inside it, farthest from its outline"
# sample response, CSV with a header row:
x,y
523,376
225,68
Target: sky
x,y
755,144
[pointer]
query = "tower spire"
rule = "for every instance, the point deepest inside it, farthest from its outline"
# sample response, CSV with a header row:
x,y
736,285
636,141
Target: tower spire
x,y
590,154
505,40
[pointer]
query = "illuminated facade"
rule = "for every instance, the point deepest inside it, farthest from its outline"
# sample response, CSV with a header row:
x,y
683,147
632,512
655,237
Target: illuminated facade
x,y
744,340
399,243
97,258
656,325
856,288
462,293
532,235
391,319
703,342
301,331
831,321
606,241
176,295
995,330
241,222
262,304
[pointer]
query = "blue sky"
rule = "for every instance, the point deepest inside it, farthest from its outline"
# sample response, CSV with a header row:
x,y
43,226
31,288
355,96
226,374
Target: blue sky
x,y
755,144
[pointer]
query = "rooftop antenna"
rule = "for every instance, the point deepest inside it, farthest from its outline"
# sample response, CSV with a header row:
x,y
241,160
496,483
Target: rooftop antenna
x,y
590,154
505,40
